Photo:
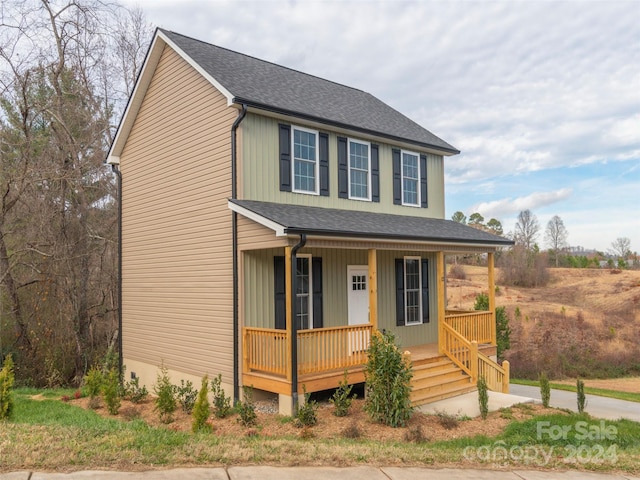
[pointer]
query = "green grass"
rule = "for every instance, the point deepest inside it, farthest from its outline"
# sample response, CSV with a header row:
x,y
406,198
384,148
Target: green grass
x,y
602,392
48,434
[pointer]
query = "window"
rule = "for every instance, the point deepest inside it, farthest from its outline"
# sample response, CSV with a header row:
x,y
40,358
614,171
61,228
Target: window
x,y
412,291
305,160
410,178
304,307
359,170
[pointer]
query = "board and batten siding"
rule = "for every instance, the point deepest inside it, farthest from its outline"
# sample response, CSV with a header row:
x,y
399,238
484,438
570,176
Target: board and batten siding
x,y
177,304
259,291
260,174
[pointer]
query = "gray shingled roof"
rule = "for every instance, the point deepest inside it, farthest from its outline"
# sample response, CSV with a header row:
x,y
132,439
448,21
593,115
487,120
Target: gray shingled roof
x,y
348,223
269,86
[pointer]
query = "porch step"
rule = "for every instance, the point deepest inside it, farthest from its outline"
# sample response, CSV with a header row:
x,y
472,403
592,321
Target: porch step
x,y
438,378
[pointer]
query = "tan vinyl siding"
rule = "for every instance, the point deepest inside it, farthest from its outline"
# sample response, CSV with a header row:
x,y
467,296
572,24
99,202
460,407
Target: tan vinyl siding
x,y
260,174
406,336
252,235
177,262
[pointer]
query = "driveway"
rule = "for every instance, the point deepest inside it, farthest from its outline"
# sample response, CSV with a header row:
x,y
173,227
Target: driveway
x,y
600,407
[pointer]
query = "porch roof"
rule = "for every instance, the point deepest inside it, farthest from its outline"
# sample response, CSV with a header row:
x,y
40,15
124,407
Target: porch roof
x,y
287,219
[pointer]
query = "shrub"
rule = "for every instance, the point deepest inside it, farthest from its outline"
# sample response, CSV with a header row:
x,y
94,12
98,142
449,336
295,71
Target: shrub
x,y
520,267
457,271
447,420
186,396
415,434
581,397
93,381
388,382
246,408
221,402
134,392
307,413
7,379
111,391
341,399
166,402
545,389
483,397
352,431
201,408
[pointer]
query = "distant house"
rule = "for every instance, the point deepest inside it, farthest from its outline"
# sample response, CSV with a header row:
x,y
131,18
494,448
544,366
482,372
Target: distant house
x,y
271,220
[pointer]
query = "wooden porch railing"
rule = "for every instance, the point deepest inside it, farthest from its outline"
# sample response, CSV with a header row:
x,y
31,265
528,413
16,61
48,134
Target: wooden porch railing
x,y
476,325
265,350
464,354
322,349
496,376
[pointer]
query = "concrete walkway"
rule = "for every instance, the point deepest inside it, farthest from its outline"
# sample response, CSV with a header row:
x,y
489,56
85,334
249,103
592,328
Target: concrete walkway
x,y
599,407
467,404
320,473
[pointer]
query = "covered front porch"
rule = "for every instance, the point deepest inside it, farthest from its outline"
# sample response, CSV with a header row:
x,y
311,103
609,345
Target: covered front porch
x,y
312,296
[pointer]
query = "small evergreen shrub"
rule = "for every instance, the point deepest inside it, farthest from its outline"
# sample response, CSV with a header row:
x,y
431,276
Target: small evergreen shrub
x,y
307,413
111,391
545,389
165,401
246,408
503,331
134,392
221,402
93,382
388,382
186,396
341,399
7,379
483,397
201,408
582,400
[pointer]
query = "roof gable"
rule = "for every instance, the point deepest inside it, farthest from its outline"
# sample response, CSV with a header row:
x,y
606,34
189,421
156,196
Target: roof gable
x,y
266,85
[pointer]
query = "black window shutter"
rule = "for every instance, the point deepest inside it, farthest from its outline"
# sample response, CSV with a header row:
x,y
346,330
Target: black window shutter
x,y
397,177
375,174
343,171
316,271
425,290
424,203
399,292
324,164
280,292
285,158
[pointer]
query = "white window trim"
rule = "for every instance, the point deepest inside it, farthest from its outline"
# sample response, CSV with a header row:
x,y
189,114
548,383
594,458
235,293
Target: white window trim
x,y
368,144
402,177
317,161
404,272
309,257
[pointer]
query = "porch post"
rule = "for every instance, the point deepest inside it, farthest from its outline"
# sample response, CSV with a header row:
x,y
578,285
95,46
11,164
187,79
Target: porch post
x,y
441,298
492,295
288,316
373,288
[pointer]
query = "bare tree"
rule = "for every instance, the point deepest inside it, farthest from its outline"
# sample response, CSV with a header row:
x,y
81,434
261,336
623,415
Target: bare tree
x,y
621,247
57,230
526,229
556,236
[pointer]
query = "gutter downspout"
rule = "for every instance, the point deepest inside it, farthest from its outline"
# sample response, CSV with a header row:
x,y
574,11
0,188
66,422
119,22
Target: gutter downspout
x,y
118,173
234,230
294,325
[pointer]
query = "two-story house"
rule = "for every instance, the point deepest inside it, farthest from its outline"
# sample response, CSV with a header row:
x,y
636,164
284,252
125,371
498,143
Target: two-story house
x,y
272,220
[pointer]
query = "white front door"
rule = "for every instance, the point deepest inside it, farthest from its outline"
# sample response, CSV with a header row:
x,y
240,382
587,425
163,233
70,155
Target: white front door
x,y
358,296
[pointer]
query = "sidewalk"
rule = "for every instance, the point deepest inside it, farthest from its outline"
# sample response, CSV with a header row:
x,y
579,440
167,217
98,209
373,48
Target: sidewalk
x,y
599,407
320,473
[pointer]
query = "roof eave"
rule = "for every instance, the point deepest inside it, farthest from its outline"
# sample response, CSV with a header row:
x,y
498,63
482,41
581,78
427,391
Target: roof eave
x,y
305,116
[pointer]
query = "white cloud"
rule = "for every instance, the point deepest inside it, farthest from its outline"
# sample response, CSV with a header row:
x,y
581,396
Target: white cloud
x,y
508,206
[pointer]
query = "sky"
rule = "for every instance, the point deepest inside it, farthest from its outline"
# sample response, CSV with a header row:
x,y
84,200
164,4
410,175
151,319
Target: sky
x,y
541,97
